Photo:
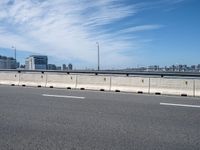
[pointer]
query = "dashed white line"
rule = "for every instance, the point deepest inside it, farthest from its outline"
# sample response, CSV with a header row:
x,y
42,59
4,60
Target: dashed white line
x,y
180,105
63,96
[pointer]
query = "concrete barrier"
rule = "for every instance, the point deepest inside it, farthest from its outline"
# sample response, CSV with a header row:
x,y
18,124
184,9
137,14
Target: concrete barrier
x,y
9,78
139,84
169,86
32,79
93,82
197,87
61,81
130,84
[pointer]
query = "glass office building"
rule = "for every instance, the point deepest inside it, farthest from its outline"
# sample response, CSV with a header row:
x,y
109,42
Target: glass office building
x,y
7,62
36,62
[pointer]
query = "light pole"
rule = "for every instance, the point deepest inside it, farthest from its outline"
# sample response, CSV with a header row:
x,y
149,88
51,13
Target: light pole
x,y
13,47
15,53
98,56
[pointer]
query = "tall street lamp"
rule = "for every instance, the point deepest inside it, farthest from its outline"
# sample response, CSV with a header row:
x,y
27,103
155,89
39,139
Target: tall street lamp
x,y
98,56
13,47
15,53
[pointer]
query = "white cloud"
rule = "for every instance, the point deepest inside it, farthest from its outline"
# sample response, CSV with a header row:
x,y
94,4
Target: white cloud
x,y
141,28
69,29
174,1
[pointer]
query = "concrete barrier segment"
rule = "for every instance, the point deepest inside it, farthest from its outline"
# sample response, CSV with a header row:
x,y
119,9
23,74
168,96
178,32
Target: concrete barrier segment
x,y
9,78
130,84
169,86
93,82
32,79
61,81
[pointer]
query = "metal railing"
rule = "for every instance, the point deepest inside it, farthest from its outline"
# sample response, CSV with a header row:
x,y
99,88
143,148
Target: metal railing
x,y
112,72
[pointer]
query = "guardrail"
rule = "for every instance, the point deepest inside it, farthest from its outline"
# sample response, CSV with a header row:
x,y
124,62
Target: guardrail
x,y
183,84
112,72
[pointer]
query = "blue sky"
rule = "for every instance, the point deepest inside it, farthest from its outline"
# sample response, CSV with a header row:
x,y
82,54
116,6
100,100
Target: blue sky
x,y
130,32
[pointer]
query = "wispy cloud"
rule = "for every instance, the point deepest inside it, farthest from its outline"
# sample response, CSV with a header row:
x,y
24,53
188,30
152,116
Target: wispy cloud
x,y
174,1
141,28
70,29
159,4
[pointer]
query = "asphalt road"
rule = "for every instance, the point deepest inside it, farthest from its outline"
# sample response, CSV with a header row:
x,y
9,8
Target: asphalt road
x,y
55,119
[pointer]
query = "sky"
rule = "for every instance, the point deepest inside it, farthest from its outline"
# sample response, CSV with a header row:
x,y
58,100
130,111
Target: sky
x,y
130,33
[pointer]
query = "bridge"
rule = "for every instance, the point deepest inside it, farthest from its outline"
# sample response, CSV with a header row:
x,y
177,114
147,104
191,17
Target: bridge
x,y
51,110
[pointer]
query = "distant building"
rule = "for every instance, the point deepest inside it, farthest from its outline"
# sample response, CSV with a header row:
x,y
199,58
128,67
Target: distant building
x,y
51,67
17,65
58,68
70,67
36,62
198,67
65,67
7,62
153,68
22,67
193,67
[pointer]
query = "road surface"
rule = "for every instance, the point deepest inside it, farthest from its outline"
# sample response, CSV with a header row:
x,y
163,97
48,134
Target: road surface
x,y
57,119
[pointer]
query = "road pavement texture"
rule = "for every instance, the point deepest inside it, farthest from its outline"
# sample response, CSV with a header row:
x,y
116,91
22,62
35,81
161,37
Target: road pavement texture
x,y
57,119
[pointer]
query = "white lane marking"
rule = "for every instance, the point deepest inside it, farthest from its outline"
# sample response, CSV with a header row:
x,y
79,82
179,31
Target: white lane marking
x,y
63,96
180,105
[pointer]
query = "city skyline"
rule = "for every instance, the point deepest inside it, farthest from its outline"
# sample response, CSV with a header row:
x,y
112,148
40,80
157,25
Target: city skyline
x,y
130,33
6,62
